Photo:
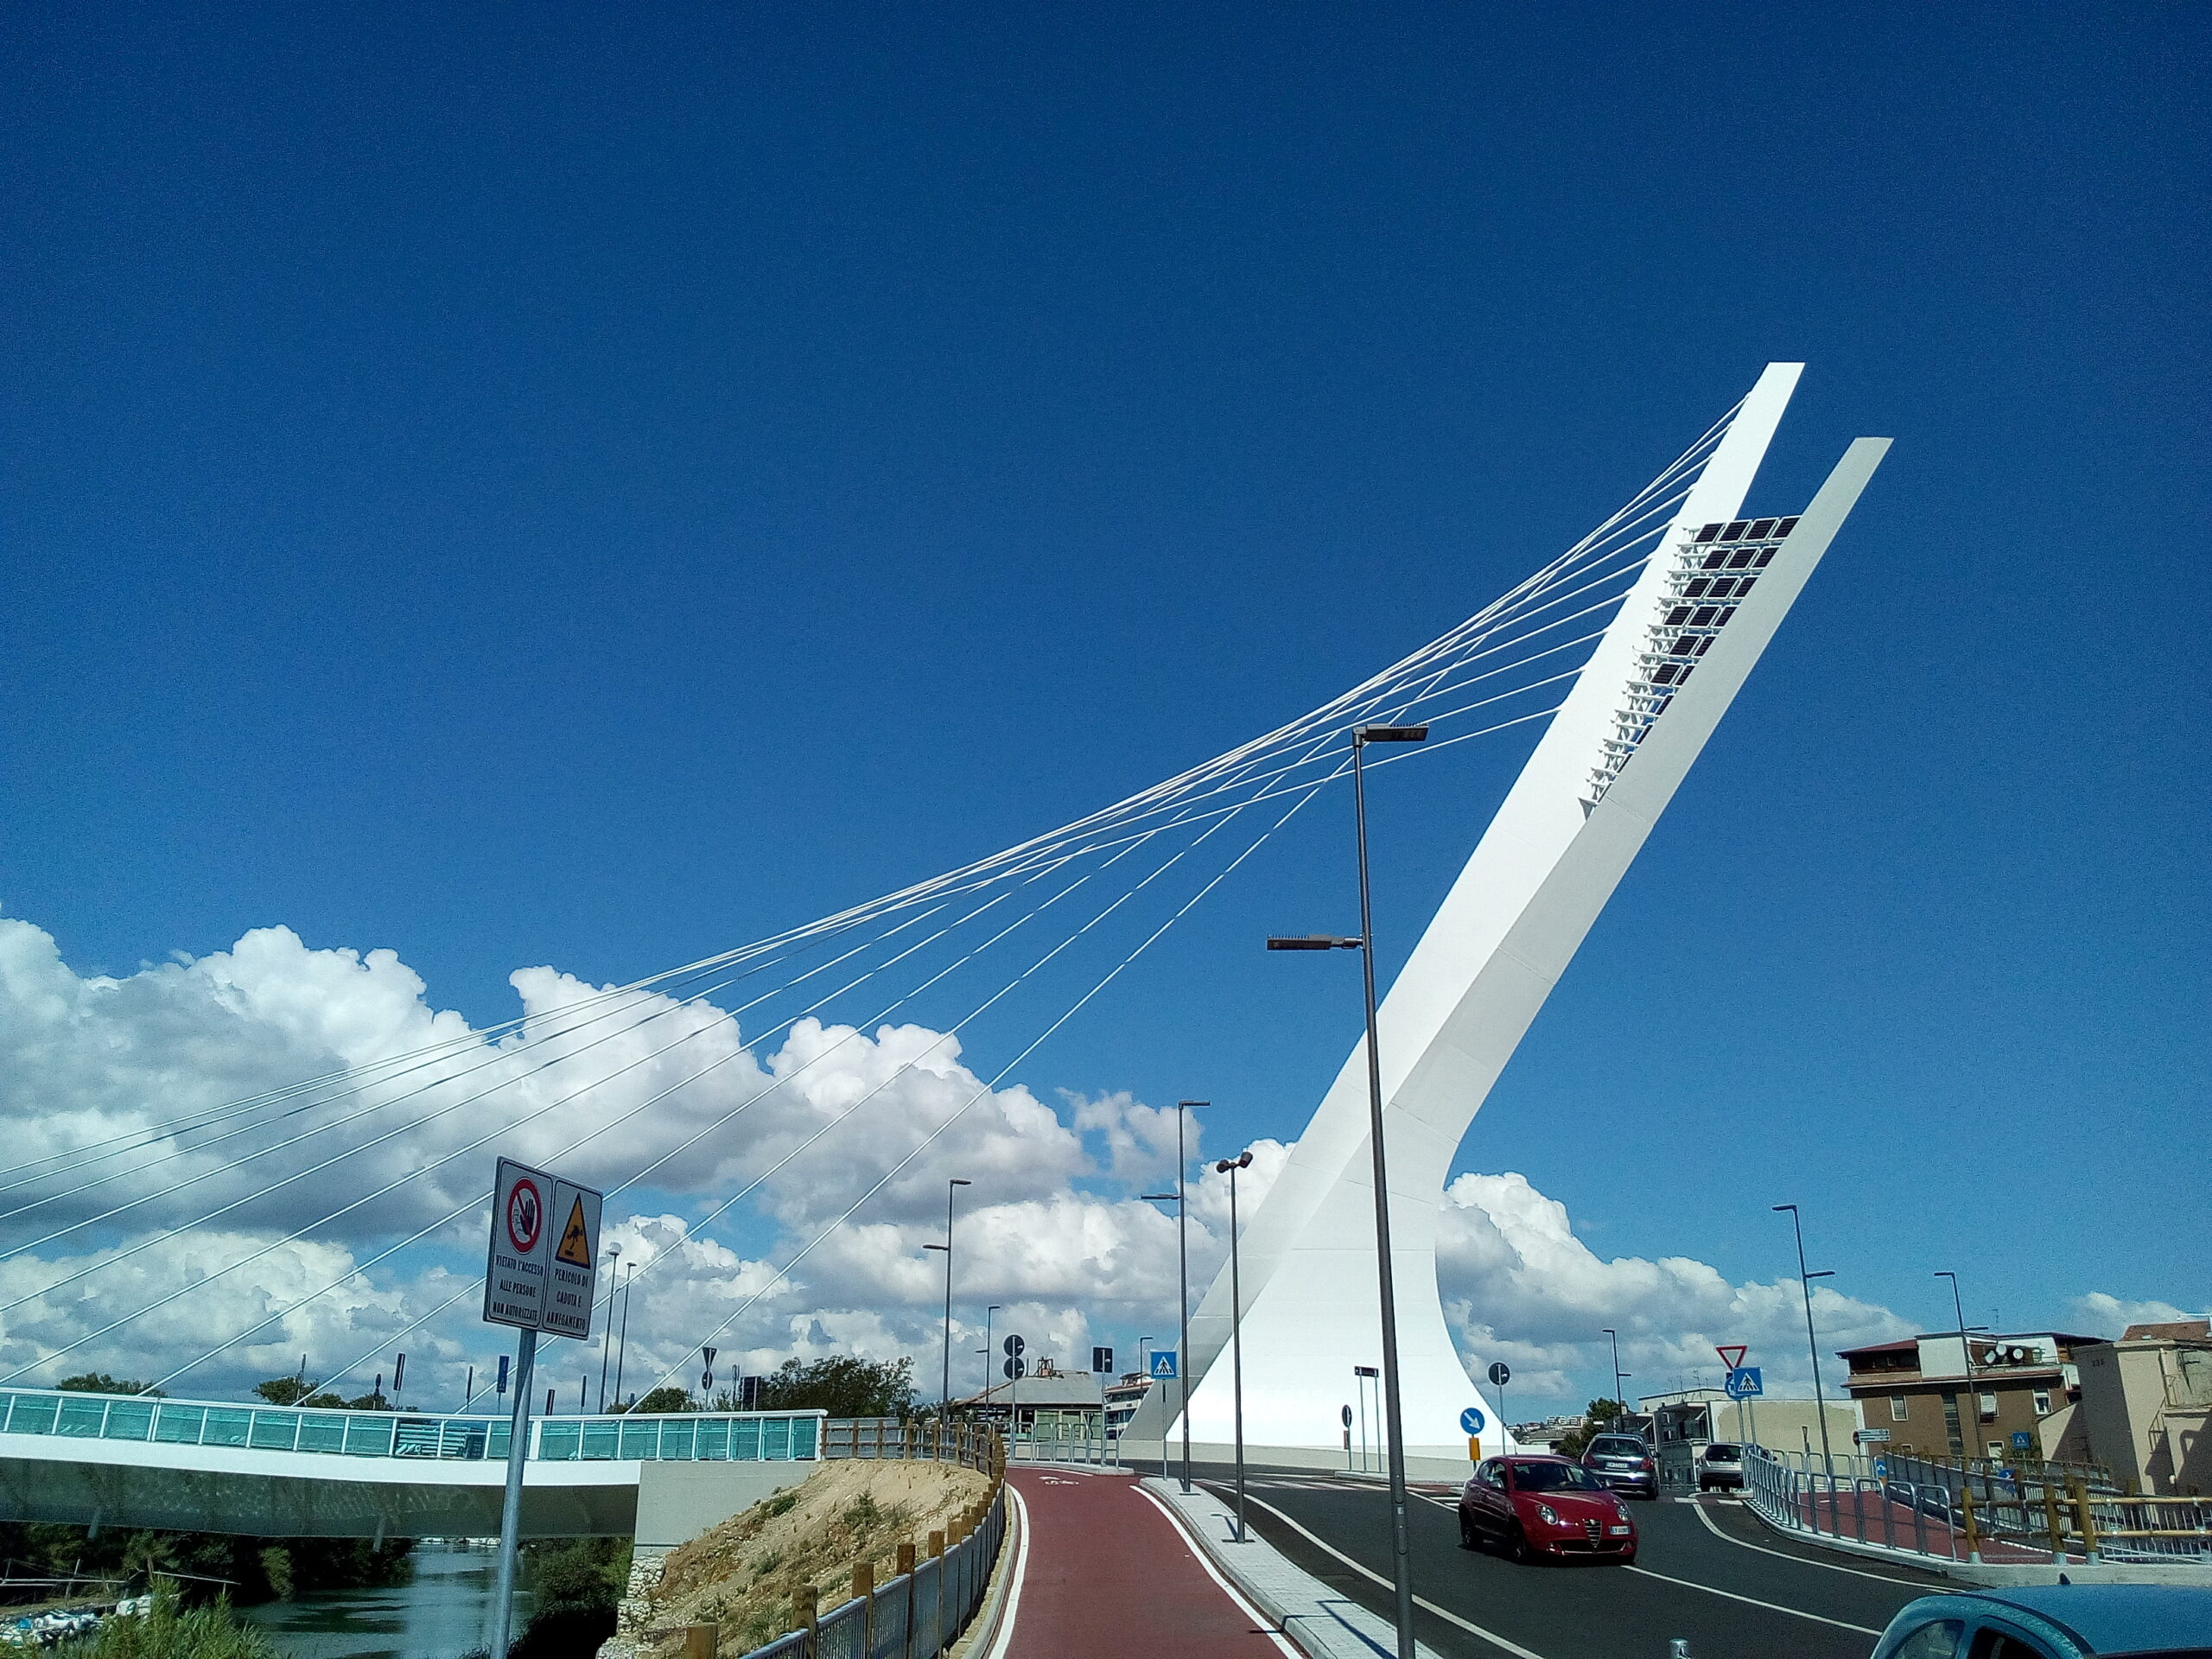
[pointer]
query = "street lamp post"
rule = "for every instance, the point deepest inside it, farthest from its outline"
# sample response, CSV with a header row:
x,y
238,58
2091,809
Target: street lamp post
x,y
622,1342
607,1330
1392,1412
987,1311
1966,1352
1183,1273
1813,1351
944,1407
1615,1335
1229,1167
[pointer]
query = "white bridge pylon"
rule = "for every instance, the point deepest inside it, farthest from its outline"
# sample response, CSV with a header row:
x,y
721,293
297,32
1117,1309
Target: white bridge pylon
x,y
1655,686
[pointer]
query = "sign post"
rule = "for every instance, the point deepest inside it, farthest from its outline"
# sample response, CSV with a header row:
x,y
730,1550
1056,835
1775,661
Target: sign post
x,y
1500,1375
1470,1424
539,1275
1732,1356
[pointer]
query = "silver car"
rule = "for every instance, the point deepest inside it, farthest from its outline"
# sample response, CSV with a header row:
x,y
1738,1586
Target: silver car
x,y
1720,1465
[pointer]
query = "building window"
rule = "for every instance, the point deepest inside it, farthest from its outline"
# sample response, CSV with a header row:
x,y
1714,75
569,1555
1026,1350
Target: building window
x,y
1900,1408
1988,1404
2042,1402
1952,1436
1995,1451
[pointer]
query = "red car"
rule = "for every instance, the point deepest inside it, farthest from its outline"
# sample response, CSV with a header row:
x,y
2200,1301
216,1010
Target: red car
x,y
1544,1506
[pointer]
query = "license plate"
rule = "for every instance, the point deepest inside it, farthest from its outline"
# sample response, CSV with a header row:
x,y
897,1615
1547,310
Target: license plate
x,y
1618,1532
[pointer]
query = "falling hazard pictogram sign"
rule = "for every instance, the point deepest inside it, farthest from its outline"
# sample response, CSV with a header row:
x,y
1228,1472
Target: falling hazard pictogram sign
x,y
576,1238
572,1277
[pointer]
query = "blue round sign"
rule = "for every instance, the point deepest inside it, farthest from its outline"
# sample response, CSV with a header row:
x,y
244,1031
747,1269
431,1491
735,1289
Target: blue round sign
x,y
1472,1420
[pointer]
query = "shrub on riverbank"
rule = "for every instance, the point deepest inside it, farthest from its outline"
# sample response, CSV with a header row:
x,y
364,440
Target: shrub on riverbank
x,y
169,1630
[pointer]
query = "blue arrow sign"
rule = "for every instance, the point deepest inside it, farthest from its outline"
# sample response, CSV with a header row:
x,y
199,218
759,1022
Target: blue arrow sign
x,y
1163,1364
1744,1382
1472,1420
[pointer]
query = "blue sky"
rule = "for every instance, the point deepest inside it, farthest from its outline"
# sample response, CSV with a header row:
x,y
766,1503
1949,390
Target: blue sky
x,y
587,489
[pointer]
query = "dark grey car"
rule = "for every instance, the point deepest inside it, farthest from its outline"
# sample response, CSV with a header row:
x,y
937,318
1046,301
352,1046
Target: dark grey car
x,y
1623,1463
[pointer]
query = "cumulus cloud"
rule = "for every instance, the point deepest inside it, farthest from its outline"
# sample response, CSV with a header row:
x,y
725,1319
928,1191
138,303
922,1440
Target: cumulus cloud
x,y
2101,1314
822,1115
1519,1286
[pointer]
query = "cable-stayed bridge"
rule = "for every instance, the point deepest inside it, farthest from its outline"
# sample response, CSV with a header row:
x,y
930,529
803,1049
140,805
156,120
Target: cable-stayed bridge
x,y
1623,651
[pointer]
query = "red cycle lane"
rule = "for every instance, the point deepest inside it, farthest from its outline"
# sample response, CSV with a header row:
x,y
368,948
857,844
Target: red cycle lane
x,y
1106,1573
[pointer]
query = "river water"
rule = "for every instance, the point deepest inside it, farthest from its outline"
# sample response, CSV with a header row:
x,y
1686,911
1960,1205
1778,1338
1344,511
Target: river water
x,y
441,1615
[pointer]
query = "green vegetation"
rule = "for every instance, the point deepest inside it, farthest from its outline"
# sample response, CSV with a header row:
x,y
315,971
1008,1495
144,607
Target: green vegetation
x,y
575,1586
666,1400
101,1382
171,1631
842,1385
1597,1417
294,1391
248,1570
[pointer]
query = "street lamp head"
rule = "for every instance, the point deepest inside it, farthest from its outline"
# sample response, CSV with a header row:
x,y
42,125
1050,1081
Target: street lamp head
x,y
1228,1164
956,1181
1313,942
1825,1272
1186,1105
1161,1197
1781,1207
1391,735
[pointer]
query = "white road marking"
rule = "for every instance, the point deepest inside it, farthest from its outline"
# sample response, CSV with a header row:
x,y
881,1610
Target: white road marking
x,y
1771,1606
1444,1613
1855,1572
1259,1620
1020,1570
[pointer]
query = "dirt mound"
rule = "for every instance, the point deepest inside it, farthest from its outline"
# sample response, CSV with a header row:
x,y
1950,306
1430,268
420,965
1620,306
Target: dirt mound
x,y
740,1574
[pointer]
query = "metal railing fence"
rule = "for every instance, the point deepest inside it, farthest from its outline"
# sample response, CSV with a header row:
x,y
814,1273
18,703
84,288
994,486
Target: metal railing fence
x,y
716,1437
1976,1517
921,1612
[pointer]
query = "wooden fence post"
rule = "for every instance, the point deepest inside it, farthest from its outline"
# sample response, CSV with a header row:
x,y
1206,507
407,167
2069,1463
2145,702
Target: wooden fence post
x,y
937,1554
2050,1519
700,1641
864,1593
806,1614
2085,1521
1966,1512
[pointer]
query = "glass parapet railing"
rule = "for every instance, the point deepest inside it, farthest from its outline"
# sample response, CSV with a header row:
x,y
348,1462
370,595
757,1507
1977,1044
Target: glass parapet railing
x,y
718,1437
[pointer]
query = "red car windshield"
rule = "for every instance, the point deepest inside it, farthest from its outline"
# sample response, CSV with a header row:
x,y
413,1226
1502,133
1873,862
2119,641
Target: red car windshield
x,y
1552,1477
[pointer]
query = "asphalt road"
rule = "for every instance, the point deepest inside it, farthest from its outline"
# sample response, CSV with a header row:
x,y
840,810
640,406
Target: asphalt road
x,y
1730,1587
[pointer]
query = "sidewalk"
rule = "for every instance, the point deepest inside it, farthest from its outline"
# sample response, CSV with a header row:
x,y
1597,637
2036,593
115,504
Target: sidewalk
x,y
1325,1624
1110,1566
1104,1572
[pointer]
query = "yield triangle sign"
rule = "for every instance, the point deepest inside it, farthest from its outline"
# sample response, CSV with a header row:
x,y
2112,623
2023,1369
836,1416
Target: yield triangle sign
x,y
576,1239
1733,1354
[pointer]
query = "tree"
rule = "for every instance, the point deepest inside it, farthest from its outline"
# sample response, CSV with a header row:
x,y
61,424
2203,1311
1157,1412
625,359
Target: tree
x,y
101,1382
292,1391
842,1384
1597,1417
666,1399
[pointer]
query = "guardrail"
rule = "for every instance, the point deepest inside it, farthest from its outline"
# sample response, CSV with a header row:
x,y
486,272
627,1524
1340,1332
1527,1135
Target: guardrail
x,y
921,1610
719,1437
1977,1518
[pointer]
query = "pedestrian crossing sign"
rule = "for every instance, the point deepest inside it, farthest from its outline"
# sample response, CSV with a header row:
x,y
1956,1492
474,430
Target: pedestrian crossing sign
x,y
1163,1365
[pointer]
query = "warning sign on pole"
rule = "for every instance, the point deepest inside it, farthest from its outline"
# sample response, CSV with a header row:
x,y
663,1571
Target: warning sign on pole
x,y
573,1273
515,1264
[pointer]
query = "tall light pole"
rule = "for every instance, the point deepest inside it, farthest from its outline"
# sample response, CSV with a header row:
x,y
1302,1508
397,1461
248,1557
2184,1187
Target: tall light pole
x,y
1813,1351
1393,1413
622,1343
987,1311
1229,1167
944,1408
606,1330
1617,1373
1183,1271
1965,1347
